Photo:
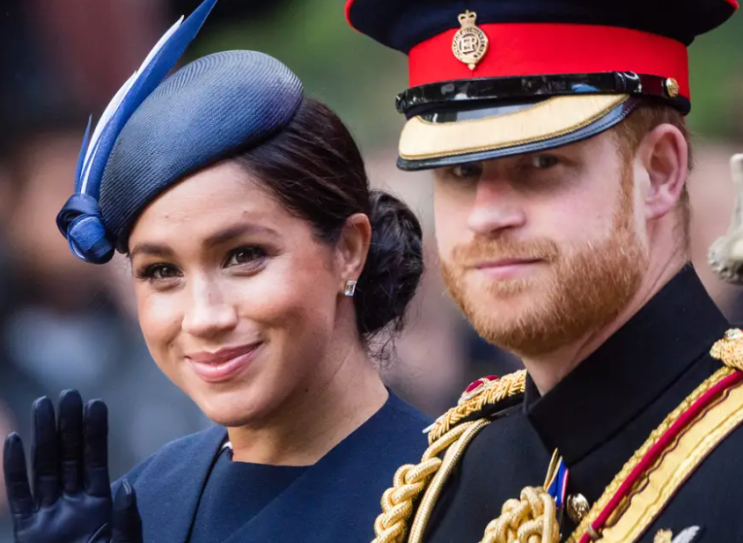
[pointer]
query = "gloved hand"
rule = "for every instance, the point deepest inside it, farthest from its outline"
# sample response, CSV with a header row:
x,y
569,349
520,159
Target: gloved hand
x,y
71,500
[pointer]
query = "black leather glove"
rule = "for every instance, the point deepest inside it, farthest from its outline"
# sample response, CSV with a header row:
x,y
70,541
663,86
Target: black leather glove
x,y
71,500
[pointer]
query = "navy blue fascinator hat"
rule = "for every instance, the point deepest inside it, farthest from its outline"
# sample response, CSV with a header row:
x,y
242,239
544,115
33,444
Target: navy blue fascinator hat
x,y
155,132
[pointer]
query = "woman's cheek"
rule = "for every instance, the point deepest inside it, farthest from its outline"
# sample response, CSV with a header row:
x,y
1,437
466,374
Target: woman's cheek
x,y
284,296
160,318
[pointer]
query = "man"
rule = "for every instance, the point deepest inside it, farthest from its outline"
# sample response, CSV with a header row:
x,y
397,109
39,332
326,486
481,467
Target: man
x,y
556,135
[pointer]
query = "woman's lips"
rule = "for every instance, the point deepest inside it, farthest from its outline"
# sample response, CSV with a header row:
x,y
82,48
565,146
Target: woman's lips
x,y
223,364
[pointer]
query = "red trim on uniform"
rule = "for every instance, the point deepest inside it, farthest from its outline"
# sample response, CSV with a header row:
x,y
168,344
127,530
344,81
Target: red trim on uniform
x,y
734,3
552,48
660,446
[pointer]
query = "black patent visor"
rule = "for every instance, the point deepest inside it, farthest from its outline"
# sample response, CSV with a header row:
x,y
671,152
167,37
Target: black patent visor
x,y
468,94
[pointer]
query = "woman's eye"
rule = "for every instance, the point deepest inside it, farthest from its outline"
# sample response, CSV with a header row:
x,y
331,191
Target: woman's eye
x,y
246,255
542,162
164,272
158,272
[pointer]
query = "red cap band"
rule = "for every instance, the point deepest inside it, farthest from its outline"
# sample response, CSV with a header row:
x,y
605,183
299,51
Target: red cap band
x,y
553,48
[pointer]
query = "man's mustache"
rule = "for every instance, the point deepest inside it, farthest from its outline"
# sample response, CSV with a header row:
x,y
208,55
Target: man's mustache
x,y
482,250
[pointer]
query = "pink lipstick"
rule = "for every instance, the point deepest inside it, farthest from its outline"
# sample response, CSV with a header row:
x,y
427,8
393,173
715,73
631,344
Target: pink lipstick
x,y
224,364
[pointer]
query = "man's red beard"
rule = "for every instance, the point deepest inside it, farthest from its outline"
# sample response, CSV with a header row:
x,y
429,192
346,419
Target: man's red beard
x,y
585,287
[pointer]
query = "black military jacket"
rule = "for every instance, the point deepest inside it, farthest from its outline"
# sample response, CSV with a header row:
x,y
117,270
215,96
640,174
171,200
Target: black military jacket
x,y
597,417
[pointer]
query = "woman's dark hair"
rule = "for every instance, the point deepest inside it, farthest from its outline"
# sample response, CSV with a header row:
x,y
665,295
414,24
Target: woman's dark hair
x,y
316,170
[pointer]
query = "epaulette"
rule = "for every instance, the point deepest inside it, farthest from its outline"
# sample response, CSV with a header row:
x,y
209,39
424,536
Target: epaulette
x,y
416,487
647,482
484,398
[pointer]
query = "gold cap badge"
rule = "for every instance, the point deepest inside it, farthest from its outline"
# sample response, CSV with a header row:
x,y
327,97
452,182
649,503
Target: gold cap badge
x,y
470,43
672,87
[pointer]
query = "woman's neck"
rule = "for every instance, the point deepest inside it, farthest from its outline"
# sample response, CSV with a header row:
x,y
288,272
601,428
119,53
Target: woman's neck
x,y
317,417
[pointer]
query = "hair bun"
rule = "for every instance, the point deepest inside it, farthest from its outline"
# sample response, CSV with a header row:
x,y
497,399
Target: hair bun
x,y
393,267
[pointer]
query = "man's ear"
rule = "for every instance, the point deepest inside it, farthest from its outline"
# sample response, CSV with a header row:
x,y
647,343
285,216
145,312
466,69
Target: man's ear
x,y
664,155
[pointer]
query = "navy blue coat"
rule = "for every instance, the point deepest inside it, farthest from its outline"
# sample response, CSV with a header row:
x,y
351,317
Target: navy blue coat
x,y
336,500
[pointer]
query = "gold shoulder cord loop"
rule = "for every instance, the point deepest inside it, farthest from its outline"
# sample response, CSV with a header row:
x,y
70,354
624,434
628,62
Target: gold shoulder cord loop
x,y
531,519
449,430
409,482
451,458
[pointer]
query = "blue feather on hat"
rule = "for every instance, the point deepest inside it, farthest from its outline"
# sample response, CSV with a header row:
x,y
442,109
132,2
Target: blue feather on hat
x,y
80,219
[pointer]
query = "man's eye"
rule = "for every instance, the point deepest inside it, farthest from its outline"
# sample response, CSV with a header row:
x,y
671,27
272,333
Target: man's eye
x,y
542,162
468,171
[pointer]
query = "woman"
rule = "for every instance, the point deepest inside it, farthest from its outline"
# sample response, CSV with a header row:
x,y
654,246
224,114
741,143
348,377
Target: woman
x,y
262,266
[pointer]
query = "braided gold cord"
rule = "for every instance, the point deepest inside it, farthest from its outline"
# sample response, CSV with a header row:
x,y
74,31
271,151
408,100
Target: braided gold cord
x,y
491,393
452,457
531,519
391,526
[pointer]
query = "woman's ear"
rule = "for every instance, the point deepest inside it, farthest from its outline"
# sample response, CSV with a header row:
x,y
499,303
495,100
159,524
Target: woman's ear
x,y
664,155
353,247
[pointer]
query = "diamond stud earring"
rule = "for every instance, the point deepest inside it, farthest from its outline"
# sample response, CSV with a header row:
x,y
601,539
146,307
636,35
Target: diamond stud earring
x,y
350,288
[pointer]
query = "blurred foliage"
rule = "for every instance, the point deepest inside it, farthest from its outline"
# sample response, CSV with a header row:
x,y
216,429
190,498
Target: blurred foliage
x,y
359,78
717,82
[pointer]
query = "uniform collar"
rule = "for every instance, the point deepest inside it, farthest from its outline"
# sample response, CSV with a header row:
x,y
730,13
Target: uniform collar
x,y
629,371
